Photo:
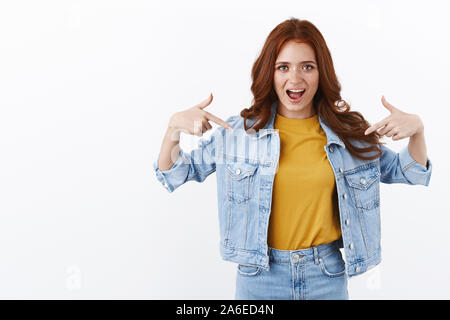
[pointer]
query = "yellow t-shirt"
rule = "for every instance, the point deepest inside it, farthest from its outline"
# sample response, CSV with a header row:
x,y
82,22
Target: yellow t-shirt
x,y
305,208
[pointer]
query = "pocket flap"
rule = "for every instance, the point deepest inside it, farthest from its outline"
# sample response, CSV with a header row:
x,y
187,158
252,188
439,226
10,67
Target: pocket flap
x,y
240,170
363,179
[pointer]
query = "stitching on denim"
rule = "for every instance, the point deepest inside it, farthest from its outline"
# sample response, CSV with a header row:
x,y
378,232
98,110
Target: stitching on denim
x,y
251,274
365,260
328,251
362,167
321,253
225,245
363,228
329,274
247,209
358,202
228,195
249,172
368,183
409,165
322,266
393,180
267,163
292,268
303,283
244,180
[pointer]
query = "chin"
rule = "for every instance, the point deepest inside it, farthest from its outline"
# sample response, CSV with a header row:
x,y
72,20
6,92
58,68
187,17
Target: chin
x,y
295,106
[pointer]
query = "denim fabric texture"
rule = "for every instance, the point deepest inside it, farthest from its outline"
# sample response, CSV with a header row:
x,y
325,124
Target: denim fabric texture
x,y
246,163
316,273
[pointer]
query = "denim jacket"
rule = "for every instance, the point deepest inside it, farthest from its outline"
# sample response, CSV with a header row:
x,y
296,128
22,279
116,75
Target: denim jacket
x,y
245,165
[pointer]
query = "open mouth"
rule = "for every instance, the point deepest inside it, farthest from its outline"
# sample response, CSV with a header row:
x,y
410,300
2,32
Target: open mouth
x,y
295,95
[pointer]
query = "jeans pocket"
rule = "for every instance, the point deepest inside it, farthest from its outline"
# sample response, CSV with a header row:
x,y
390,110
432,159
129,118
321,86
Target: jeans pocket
x,y
248,270
332,265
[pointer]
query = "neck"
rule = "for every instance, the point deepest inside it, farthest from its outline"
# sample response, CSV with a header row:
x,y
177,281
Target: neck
x,y
305,113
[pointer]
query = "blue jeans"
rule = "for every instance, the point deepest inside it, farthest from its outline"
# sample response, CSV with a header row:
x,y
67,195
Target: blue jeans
x,y
306,274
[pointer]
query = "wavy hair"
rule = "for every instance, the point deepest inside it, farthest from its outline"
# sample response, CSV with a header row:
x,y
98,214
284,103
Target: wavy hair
x,y
327,102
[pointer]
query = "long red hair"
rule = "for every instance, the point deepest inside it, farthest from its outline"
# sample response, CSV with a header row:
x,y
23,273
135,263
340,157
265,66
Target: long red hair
x,y
345,123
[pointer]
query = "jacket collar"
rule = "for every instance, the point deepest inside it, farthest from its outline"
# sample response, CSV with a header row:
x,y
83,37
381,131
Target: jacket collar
x,y
269,129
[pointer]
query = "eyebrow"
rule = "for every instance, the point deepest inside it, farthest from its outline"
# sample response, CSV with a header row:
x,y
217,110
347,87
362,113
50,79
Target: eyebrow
x,y
285,62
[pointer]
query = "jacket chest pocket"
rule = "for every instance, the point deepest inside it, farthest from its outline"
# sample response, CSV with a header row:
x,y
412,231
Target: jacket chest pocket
x,y
364,186
239,180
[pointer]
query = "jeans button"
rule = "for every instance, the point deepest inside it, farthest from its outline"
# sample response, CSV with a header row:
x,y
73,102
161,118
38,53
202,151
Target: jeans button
x,y
296,257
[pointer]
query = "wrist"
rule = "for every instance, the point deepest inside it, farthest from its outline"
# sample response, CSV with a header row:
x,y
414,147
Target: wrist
x,y
419,132
173,133
172,125
421,128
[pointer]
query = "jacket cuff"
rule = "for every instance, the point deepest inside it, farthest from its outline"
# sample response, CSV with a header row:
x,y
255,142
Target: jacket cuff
x,y
163,175
415,172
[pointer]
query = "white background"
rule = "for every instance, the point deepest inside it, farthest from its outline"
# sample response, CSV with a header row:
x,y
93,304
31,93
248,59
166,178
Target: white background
x,y
86,92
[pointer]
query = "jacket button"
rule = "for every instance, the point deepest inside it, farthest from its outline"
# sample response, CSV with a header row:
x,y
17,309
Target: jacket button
x,y
331,149
237,171
347,222
345,196
363,181
341,170
351,246
358,269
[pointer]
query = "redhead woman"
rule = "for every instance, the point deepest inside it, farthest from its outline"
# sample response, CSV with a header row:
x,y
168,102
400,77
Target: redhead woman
x,y
298,173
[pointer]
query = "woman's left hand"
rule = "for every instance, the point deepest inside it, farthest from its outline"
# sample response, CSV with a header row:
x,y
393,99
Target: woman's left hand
x,y
398,124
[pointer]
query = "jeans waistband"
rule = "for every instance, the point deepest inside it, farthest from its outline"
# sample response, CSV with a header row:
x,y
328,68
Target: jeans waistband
x,y
303,255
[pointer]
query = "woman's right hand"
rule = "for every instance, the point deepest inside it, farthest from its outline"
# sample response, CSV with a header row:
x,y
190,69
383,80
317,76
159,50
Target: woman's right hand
x,y
195,120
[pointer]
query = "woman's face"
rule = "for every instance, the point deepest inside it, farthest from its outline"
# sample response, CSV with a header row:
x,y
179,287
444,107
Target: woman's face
x,y
296,68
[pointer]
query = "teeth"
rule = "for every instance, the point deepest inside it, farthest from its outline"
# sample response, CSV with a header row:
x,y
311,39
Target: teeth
x,y
302,90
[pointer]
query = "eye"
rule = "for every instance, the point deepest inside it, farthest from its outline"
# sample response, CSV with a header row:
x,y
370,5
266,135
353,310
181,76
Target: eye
x,y
281,67
308,65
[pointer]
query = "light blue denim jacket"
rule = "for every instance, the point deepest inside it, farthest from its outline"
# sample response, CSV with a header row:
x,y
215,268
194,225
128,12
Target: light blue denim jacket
x,y
245,166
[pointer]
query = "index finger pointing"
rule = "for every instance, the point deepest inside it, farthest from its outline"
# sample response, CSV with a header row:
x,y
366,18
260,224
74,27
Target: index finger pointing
x,y
376,126
217,120
206,102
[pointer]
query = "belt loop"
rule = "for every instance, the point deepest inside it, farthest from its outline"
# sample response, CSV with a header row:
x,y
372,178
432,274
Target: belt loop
x,y
316,255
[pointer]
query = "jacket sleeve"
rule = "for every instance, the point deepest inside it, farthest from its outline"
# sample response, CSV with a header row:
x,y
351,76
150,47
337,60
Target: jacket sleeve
x,y
402,168
196,165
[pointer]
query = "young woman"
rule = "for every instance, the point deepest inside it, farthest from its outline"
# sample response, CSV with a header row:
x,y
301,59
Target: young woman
x,y
298,173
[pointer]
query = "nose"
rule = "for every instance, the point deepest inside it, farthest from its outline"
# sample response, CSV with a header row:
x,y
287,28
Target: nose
x,y
296,75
